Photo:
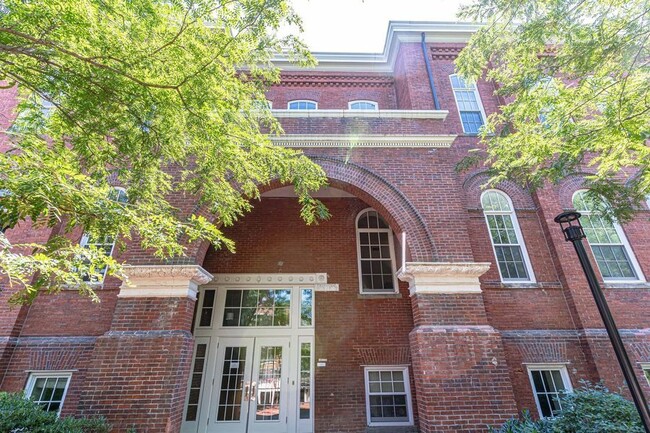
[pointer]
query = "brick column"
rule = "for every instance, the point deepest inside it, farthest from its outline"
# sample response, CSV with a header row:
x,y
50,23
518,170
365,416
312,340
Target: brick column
x,y
461,377
139,369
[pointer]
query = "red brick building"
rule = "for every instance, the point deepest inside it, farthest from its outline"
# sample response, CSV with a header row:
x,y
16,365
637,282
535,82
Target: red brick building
x,y
426,303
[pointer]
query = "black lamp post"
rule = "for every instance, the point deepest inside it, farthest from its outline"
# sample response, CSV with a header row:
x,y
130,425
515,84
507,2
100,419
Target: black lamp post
x,y
573,232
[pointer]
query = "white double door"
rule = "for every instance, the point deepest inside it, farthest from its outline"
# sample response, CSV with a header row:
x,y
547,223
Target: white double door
x,y
253,383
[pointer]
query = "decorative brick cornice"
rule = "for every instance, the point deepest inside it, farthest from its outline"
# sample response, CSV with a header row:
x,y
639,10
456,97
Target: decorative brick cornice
x,y
163,281
443,278
445,53
305,80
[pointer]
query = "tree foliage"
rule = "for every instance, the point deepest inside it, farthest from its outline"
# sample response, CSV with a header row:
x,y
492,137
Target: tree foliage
x,y
574,76
162,97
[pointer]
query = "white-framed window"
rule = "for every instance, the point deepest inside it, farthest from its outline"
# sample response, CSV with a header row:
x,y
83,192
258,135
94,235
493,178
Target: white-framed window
x,y
48,389
104,242
608,243
363,105
507,242
302,104
376,253
388,396
549,382
468,102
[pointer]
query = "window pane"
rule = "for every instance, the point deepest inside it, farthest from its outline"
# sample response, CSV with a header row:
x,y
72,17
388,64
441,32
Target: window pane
x,y
387,398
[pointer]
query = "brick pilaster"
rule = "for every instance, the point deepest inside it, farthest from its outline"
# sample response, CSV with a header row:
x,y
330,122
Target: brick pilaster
x,y
460,373
140,366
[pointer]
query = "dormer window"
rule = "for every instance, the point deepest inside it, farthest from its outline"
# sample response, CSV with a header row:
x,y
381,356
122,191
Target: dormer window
x,y
363,105
302,105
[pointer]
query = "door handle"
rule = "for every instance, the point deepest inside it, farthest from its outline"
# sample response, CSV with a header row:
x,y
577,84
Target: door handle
x,y
253,391
247,389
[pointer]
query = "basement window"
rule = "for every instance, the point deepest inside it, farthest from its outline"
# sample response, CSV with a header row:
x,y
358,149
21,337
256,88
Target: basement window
x,y
549,382
388,396
48,389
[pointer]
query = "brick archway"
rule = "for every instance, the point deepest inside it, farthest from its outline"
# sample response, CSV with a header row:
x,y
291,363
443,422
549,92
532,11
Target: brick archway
x,y
376,191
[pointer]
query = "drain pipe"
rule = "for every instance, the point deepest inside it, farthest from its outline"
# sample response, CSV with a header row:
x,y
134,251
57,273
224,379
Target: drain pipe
x,y
430,74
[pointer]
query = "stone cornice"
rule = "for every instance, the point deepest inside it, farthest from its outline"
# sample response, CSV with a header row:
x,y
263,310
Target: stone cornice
x,y
443,277
354,114
364,140
317,280
163,281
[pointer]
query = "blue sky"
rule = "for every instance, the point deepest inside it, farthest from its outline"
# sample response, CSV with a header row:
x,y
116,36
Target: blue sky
x,y
360,25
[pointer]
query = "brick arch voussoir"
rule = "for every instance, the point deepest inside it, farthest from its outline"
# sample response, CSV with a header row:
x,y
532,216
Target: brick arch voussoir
x,y
377,192
388,200
474,185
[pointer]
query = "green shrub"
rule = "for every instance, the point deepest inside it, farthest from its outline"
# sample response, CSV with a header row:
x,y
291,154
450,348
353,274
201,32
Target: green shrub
x,y
594,409
19,415
588,409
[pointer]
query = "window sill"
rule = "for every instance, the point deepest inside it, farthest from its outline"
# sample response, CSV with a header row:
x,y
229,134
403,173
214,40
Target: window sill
x,y
626,285
379,296
522,285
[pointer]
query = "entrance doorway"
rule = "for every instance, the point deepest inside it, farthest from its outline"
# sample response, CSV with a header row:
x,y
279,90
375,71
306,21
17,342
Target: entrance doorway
x,y
253,361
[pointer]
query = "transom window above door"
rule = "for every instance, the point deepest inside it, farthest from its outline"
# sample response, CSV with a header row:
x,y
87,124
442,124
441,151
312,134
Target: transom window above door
x,y
280,307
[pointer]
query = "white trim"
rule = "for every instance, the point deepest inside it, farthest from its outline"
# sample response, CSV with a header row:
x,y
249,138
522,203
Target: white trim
x,y
372,141
163,281
360,101
518,234
561,367
443,277
300,109
645,370
391,246
381,114
478,101
626,245
407,390
318,280
34,375
399,32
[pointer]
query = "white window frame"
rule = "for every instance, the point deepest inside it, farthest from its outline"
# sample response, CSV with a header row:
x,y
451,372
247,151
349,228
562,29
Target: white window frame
x,y
392,254
478,101
407,390
564,373
518,234
48,374
375,104
626,245
302,109
645,371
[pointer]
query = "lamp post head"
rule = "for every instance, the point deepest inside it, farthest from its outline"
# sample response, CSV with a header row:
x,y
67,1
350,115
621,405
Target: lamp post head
x,y
571,227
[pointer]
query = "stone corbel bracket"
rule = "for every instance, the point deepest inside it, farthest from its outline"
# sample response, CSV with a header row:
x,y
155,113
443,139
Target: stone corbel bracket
x,y
443,278
164,281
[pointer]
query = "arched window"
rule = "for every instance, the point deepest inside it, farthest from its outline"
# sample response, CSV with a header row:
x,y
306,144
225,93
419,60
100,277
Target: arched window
x,y
376,254
507,241
607,241
302,105
363,105
469,104
104,242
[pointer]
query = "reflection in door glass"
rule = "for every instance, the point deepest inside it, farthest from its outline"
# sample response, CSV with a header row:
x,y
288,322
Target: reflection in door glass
x,y
305,380
232,383
306,297
268,387
195,384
